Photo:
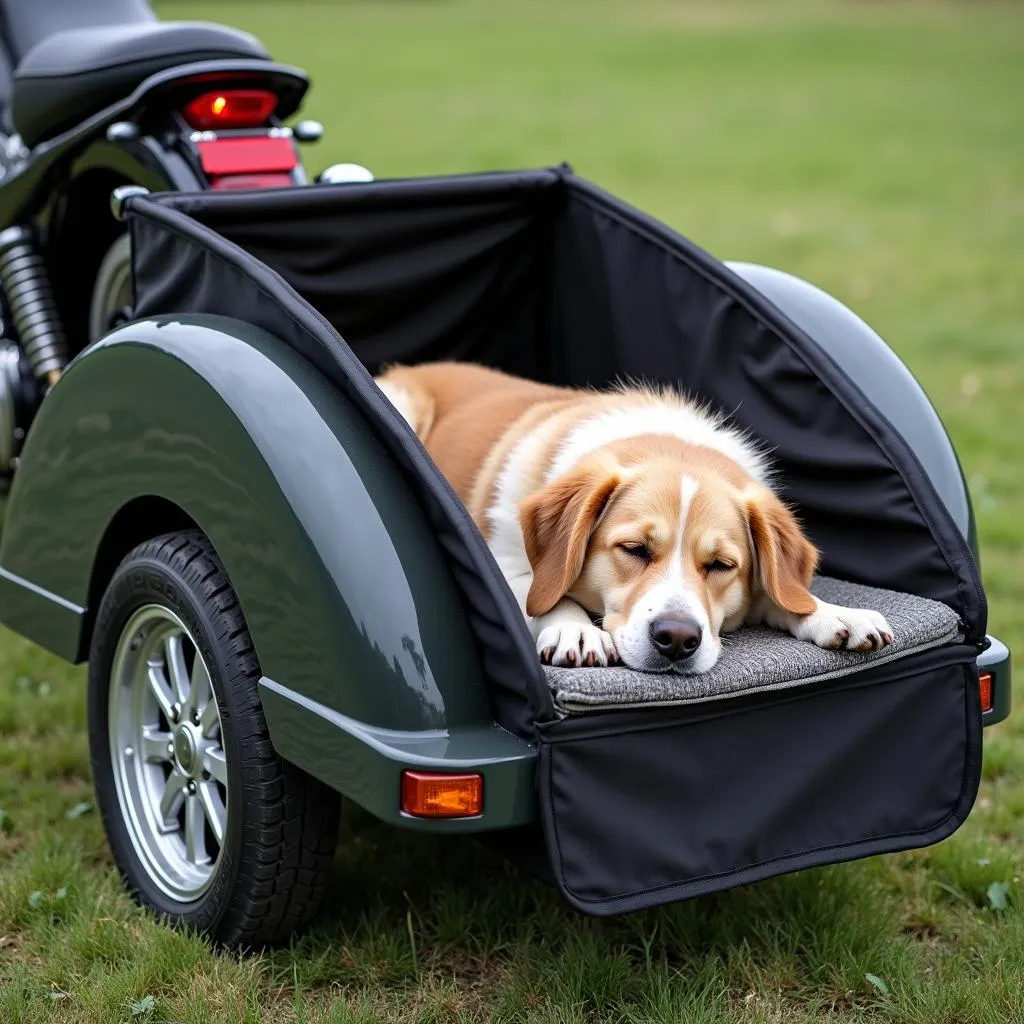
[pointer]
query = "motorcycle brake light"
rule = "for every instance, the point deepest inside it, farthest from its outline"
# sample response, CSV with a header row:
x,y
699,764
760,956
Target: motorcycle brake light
x,y
230,108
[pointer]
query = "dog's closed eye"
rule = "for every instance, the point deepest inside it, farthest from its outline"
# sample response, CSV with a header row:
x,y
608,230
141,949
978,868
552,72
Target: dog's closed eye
x,y
637,549
718,565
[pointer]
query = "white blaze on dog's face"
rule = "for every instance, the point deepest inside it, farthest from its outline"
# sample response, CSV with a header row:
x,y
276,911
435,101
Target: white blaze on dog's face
x,y
669,544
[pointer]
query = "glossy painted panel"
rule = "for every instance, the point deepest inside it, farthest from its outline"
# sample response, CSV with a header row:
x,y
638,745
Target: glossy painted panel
x,y
36,612
366,762
341,580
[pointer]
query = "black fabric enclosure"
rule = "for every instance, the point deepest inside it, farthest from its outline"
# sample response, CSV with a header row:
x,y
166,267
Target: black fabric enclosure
x,y
542,274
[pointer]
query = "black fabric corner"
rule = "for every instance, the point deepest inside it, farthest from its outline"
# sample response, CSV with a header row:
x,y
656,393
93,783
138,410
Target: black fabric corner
x,y
667,311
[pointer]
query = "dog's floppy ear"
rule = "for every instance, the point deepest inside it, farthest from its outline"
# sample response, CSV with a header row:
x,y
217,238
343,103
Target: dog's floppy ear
x,y
557,523
786,560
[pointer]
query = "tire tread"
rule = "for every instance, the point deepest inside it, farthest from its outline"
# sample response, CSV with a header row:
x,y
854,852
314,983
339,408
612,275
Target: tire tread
x,y
291,825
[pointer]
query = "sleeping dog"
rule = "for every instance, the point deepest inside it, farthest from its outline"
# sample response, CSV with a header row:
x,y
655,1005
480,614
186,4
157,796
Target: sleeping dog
x,y
633,508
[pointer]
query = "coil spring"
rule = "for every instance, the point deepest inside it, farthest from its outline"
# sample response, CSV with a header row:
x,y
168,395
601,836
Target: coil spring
x,y
26,287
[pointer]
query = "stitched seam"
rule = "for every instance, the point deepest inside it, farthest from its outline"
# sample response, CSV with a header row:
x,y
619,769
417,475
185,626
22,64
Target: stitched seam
x,y
854,681
408,188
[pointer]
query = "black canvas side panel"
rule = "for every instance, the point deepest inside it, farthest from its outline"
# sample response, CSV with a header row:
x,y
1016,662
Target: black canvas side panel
x,y
590,339
632,299
178,265
407,271
645,808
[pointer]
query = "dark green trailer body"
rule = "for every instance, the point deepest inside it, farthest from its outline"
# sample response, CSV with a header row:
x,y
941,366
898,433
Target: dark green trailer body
x,y
368,666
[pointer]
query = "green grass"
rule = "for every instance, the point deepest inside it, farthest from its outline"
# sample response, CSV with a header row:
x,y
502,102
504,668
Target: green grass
x,y
876,148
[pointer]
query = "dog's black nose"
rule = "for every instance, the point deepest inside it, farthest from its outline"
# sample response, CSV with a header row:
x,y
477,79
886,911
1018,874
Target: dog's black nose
x,y
675,636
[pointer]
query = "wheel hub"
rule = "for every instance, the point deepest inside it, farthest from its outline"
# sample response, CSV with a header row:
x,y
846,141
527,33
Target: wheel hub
x,y
185,747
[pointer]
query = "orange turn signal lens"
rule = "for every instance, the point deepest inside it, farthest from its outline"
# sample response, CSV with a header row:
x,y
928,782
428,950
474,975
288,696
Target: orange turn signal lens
x,y
432,795
986,691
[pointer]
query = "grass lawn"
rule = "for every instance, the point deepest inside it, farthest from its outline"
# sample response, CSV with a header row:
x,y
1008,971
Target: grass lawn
x,y
876,148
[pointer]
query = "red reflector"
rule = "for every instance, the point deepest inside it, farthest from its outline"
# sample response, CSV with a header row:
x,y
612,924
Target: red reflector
x,y
231,181
432,795
986,691
262,155
230,108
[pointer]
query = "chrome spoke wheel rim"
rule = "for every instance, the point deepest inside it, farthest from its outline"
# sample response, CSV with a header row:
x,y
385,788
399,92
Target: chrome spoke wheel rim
x,y
170,771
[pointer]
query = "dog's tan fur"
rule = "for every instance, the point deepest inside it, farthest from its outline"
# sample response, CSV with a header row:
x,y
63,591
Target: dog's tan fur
x,y
589,519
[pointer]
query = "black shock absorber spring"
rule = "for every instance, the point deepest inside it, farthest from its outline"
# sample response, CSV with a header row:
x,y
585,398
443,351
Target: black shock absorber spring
x,y
26,287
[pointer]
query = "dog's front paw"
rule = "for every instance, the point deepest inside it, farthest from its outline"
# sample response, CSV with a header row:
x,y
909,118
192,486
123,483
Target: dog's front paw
x,y
571,645
851,629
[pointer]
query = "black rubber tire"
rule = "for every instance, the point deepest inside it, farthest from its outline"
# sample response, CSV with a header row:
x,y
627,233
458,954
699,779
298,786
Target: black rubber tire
x,y
116,263
283,825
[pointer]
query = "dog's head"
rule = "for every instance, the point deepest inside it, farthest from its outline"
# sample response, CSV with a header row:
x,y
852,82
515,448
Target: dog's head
x,y
669,544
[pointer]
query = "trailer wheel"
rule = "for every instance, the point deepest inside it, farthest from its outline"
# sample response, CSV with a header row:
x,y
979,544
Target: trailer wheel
x,y
208,826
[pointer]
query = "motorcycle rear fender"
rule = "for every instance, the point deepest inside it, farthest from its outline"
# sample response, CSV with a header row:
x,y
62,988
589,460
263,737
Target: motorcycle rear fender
x,y
25,190
368,663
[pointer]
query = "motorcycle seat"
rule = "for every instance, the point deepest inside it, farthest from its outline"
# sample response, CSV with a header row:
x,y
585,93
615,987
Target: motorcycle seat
x,y
72,74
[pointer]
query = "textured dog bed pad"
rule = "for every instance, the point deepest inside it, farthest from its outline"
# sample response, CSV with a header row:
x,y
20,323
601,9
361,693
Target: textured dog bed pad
x,y
756,658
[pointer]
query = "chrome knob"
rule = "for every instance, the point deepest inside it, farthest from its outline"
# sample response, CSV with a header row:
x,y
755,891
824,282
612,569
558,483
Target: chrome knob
x,y
308,131
122,193
337,174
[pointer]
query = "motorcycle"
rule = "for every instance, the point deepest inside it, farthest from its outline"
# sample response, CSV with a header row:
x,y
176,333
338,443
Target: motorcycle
x,y
97,95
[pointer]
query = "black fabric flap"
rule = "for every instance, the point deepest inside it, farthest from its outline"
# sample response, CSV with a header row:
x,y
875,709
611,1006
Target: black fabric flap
x,y
648,807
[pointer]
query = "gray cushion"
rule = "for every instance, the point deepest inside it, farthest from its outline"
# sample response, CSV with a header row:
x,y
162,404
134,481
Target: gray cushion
x,y
758,659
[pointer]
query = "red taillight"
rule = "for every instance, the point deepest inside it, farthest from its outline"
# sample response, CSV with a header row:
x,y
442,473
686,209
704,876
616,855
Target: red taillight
x,y
985,681
230,108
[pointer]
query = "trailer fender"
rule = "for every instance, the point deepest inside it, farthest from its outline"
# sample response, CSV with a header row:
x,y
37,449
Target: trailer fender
x,y
345,592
